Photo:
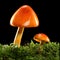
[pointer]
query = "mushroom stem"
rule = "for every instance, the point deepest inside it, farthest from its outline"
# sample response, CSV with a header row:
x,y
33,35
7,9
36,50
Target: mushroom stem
x,y
18,37
42,42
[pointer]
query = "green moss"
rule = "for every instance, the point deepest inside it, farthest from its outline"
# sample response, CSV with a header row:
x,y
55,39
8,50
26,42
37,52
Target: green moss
x,y
48,51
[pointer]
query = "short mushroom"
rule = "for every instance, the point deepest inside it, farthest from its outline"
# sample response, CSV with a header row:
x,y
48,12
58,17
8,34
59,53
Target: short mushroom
x,y
24,17
41,37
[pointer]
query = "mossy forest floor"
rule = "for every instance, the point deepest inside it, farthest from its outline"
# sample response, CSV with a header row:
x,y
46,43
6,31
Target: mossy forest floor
x,y
31,51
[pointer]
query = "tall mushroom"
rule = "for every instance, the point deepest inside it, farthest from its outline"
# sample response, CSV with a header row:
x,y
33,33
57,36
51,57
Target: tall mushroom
x,y
24,17
41,37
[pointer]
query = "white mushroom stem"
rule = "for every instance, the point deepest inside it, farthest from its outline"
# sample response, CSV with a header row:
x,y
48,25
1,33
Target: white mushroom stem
x,y
18,37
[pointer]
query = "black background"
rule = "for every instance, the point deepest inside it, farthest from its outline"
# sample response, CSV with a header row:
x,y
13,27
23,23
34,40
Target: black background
x,y
46,12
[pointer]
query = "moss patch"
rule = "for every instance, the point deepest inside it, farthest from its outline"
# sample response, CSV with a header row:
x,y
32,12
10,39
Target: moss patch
x,y
48,51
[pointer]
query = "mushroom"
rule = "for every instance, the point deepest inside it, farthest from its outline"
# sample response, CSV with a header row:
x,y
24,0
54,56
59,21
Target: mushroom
x,y
24,17
41,37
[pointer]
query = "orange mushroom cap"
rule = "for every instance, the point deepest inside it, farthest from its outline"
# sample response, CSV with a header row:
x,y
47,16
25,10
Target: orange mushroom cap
x,y
41,37
24,17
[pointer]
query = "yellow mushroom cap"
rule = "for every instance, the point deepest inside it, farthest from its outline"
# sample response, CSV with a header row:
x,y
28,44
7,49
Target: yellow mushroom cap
x,y
41,37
